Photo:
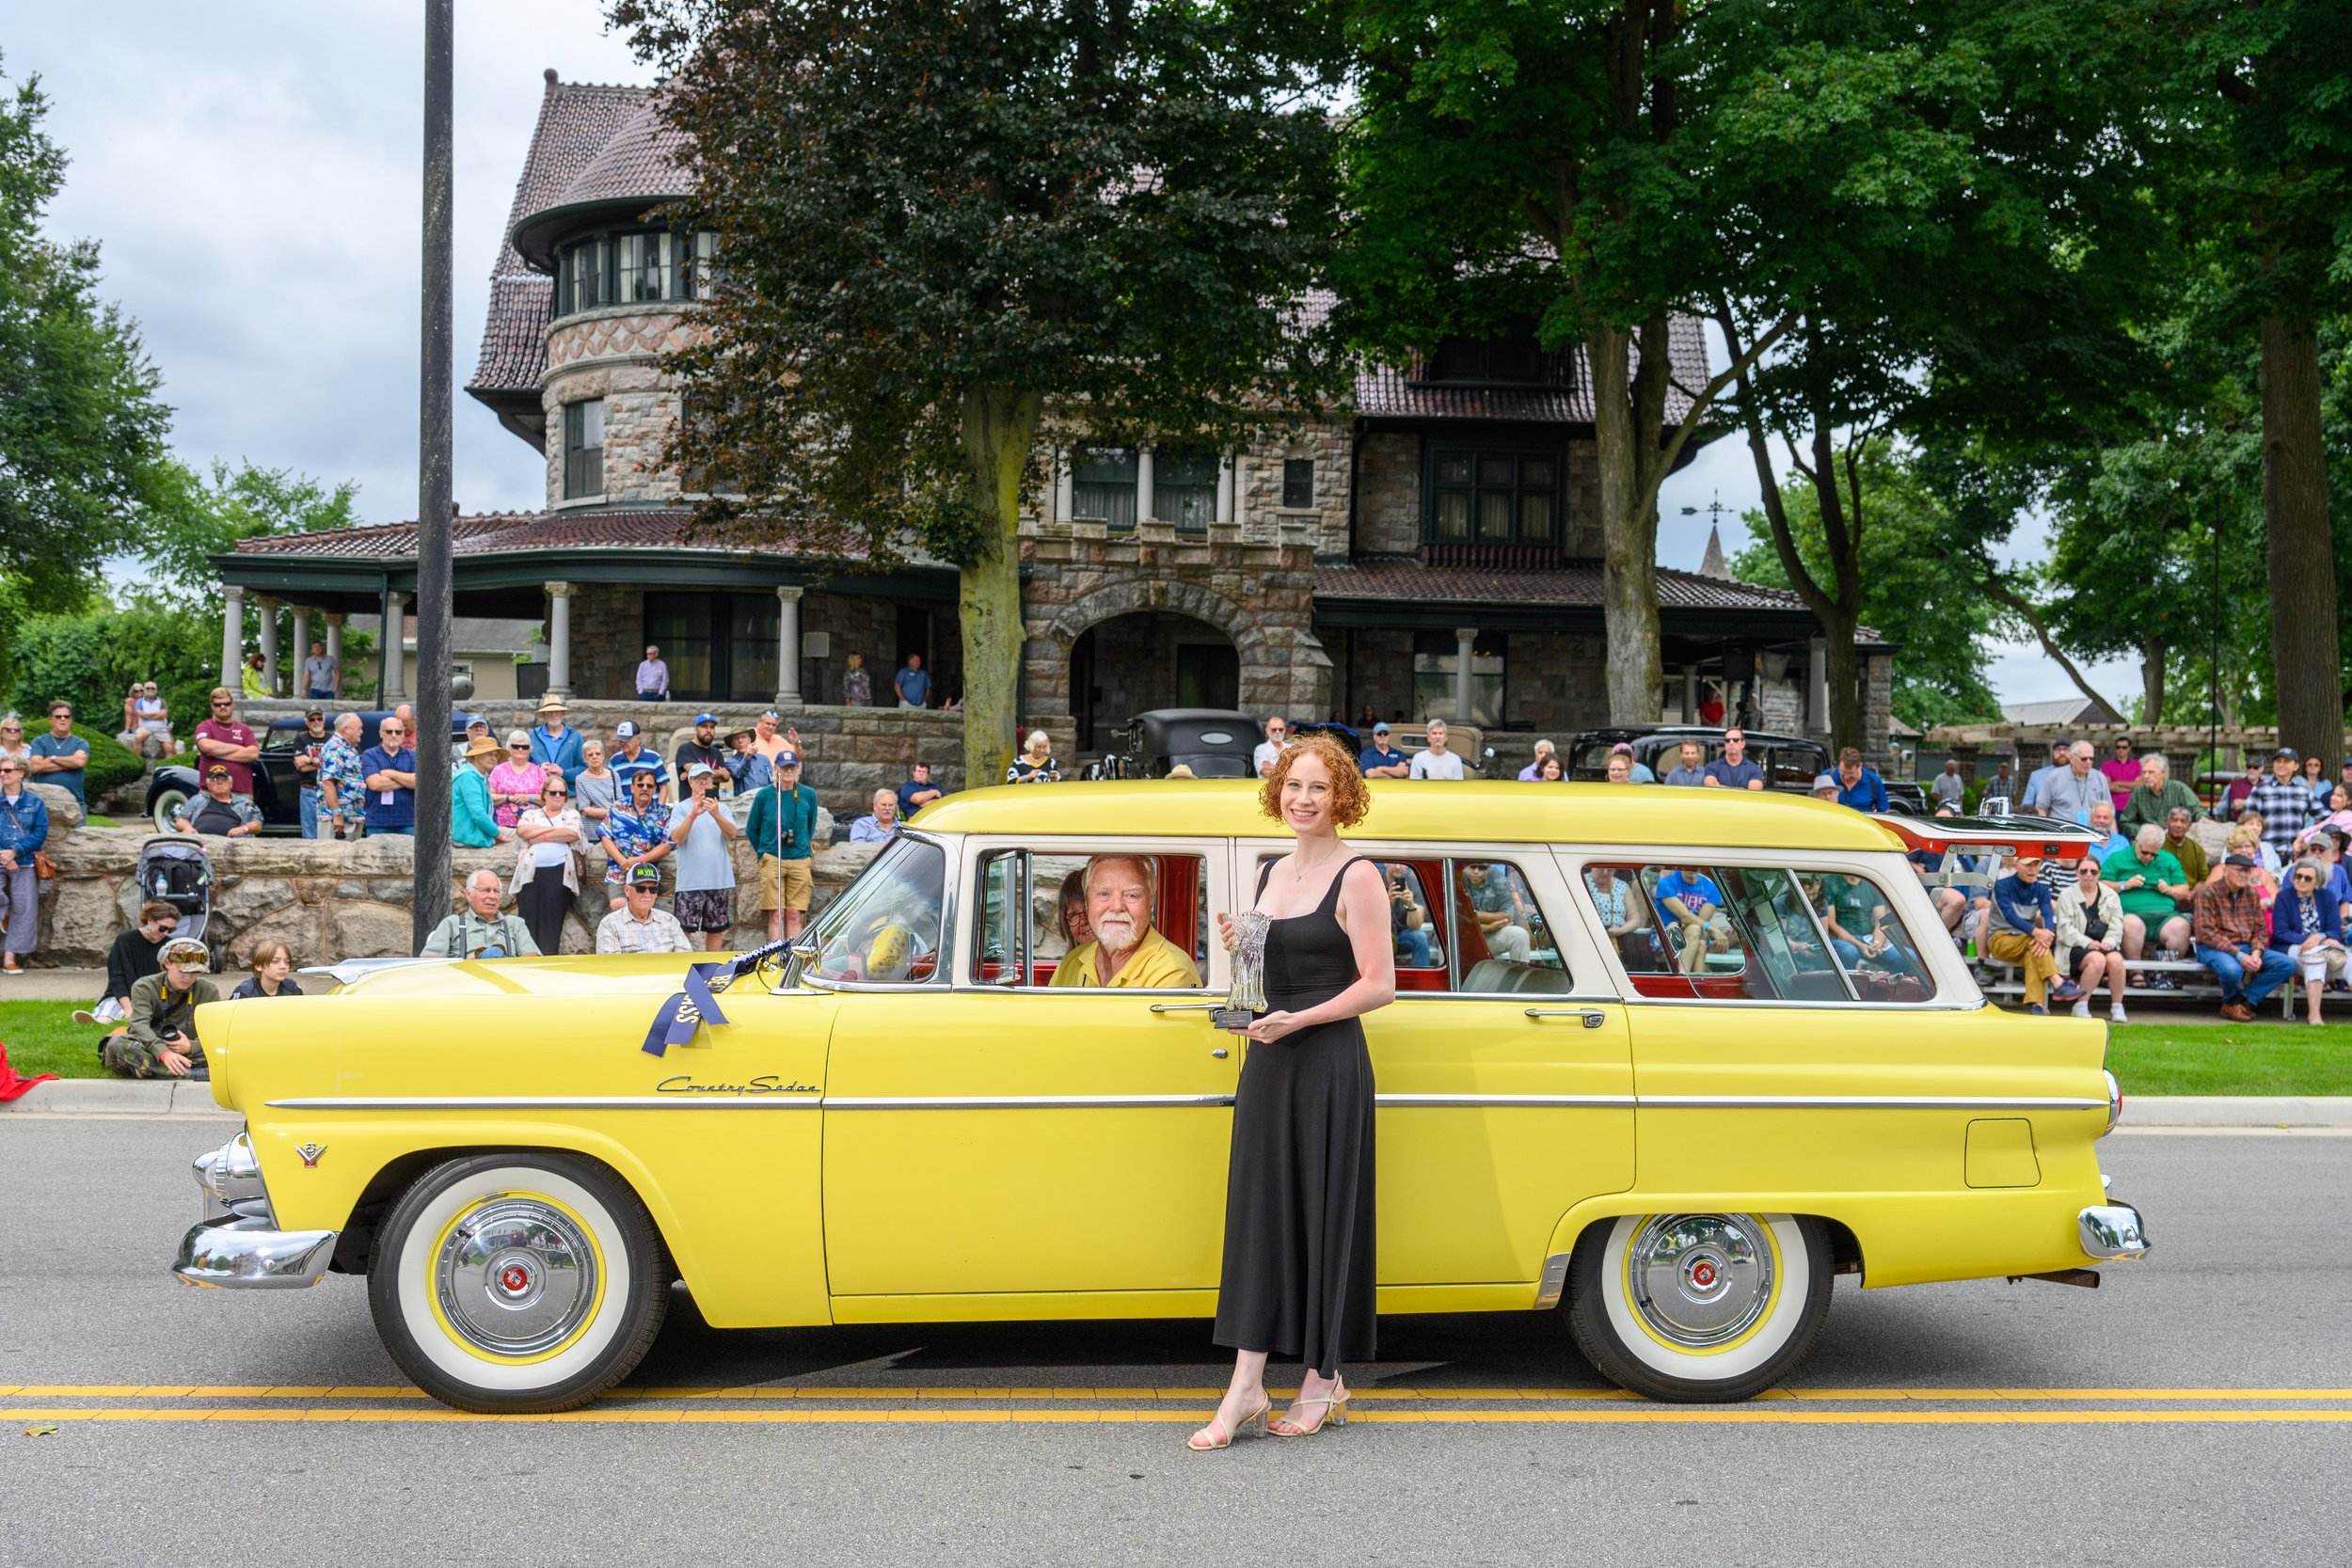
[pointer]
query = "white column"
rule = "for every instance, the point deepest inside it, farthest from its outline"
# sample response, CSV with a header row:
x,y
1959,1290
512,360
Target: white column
x,y
295,685
268,607
231,635
787,646
1225,488
395,650
1065,488
560,639
334,639
1465,639
1146,504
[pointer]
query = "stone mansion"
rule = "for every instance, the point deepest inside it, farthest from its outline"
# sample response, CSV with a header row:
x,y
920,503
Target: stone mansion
x,y
1430,551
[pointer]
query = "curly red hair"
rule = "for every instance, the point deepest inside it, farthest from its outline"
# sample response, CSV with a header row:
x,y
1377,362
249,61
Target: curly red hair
x,y
1350,798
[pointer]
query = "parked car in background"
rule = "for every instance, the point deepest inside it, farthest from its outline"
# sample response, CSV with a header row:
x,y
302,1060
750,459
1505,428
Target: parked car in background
x,y
1215,743
1791,762
277,788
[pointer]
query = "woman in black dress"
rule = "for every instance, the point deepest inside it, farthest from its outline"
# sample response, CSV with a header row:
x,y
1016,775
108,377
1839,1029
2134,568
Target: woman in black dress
x,y
1300,1273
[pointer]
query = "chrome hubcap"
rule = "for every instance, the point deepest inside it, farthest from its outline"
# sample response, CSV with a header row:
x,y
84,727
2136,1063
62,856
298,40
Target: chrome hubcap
x,y
516,1276
1700,1281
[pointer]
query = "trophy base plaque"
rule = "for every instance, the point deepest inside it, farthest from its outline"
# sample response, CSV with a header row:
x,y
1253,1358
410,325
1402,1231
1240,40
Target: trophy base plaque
x,y
1233,1018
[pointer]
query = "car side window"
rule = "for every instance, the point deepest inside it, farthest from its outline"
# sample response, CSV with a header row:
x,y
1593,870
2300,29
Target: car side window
x,y
1037,915
1504,943
884,927
1756,934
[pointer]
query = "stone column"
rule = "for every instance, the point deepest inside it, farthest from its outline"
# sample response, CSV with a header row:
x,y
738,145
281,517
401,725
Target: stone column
x,y
268,607
560,639
1146,504
395,683
1225,488
1065,487
788,648
231,634
1690,693
335,641
295,685
1465,638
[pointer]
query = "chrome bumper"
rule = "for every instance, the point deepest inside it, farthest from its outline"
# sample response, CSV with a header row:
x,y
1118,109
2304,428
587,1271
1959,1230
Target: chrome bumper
x,y
249,1255
2112,1232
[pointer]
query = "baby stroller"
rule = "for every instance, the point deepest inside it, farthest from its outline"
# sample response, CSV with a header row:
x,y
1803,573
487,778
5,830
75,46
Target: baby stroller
x,y
174,869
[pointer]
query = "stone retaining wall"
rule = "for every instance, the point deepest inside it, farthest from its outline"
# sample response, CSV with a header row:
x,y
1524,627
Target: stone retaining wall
x,y
325,899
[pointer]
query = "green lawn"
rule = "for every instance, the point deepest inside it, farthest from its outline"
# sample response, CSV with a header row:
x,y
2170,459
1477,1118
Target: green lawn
x,y
2268,1057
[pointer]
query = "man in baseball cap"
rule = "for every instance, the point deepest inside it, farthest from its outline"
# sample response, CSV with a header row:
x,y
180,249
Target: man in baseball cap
x,y
218,812
1382,760
782,827
703,746
632,759
2232,936
641,926
160,1040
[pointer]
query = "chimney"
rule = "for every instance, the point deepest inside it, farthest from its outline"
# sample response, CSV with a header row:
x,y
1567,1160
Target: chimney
x,y
550,73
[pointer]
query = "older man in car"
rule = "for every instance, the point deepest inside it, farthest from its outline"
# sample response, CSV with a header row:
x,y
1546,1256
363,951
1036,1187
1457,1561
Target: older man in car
x,y
1122,892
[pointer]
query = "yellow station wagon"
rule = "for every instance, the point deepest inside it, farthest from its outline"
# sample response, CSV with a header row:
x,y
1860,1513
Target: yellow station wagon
x,y
1675,1132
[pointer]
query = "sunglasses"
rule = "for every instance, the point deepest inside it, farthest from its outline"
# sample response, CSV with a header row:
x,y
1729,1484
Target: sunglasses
x,y
556,795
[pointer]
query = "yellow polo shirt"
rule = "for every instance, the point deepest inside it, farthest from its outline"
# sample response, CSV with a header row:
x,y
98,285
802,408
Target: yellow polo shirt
x,y
1159,964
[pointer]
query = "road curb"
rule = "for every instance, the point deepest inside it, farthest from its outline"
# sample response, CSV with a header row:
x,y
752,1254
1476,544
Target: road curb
x,y
116,1096
2237,1110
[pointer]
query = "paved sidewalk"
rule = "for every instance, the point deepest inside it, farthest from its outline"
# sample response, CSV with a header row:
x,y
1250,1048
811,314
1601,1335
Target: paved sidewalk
x,y
83,986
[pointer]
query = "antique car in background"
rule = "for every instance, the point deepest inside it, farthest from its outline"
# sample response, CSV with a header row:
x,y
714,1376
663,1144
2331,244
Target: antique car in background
x,y
1791,762
1678,1144
277,783
1215,743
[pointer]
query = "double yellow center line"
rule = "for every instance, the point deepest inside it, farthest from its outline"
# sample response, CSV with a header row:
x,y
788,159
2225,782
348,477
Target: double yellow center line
x,y
803,1404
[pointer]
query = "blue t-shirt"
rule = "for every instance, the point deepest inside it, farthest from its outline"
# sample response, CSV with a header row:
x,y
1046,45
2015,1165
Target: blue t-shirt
x,y
1377,757
914,686
906,806
68,778
1867,793
1734,775
1692,890
400,809
702,861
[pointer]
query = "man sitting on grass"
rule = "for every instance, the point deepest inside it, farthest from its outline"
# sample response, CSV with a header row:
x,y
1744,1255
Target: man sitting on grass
x,y
161,1041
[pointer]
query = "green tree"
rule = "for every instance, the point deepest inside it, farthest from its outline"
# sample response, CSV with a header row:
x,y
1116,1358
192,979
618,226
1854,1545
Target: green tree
x,y
90,660
1545,158
82,430
2266,89
198,516
1913,592
943,224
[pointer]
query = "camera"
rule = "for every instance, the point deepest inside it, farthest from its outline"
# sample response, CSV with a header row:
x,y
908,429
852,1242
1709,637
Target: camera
x,y
791,838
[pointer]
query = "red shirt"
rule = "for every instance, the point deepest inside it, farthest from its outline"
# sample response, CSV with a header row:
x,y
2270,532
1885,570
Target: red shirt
x,y
235,733
1711,711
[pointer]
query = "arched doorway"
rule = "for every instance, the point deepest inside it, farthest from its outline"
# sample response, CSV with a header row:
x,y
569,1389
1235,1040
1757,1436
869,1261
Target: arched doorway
x,y
1149,659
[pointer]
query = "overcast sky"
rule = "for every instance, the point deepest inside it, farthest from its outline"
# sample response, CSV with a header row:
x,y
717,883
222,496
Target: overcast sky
x,y
250,170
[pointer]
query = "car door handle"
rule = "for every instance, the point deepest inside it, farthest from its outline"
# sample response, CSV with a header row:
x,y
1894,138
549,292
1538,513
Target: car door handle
x,y
1591,1020
1186,1006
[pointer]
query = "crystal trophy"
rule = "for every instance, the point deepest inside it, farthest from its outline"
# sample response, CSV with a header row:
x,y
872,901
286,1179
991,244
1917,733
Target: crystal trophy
x,y
1247,1000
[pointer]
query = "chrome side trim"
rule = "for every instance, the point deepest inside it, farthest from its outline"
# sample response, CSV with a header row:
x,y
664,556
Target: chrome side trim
x,y
1868,1103
1023,1102
1457,1100
552,1102
1554,1281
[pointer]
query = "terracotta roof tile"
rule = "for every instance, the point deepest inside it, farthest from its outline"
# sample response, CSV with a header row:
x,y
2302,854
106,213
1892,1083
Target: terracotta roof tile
x,y
495,532
1576,585
642,159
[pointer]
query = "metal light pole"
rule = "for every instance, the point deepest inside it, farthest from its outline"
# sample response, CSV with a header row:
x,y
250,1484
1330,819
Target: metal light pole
x,y
434,504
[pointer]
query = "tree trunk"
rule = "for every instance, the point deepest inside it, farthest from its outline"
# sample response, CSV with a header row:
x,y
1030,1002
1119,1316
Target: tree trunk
x,y
1628,531
998,425
2151,685
2305,648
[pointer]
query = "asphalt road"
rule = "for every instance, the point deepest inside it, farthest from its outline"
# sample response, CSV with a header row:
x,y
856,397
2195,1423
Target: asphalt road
x,y
2246,1291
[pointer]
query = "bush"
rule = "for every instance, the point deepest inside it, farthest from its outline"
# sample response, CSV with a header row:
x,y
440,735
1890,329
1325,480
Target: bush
x,y
111,764
91,662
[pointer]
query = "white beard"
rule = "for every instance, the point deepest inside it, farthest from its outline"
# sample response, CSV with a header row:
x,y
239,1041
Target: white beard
x,y
1115,933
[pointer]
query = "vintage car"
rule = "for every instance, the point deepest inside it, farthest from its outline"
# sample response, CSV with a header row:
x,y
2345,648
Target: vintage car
x,y
1214,742
1791,762
277,783
1676,1142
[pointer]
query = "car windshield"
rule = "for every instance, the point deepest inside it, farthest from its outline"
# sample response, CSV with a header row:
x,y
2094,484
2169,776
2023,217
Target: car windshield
x,y
885,929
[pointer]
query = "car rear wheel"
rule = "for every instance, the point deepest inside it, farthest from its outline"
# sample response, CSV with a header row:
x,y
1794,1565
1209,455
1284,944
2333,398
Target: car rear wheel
x,y
1699,1308
518,1283
167,801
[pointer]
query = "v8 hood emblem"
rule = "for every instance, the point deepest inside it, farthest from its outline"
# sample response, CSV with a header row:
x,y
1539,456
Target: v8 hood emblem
x,y
309,1153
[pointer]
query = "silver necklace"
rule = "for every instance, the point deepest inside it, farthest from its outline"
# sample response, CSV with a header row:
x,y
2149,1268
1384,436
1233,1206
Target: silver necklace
x,y
1298,871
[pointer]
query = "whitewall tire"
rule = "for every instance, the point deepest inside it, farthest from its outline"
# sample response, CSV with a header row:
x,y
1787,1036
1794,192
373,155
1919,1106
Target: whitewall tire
x,y
522,1282
1699,1308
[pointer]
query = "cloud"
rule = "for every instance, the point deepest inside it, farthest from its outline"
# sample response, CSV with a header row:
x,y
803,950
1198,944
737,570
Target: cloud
x,y
252,174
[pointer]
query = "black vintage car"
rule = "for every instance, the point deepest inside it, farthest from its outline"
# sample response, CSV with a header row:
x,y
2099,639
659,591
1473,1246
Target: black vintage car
x,y
277,786
1791,762
1215,743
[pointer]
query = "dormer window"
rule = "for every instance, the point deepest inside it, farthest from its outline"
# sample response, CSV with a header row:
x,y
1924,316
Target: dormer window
x,y
1510,357
631,266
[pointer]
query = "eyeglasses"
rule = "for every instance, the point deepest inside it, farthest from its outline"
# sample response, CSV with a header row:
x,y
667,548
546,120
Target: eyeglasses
x,y
557,795
2305,877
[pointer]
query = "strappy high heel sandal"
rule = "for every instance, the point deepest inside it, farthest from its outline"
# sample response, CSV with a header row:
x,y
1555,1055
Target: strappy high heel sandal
x,y
1252,1425
1334,1414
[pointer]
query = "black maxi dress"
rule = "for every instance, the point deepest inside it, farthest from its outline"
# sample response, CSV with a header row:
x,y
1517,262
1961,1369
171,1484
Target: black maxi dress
x,y
1299,1271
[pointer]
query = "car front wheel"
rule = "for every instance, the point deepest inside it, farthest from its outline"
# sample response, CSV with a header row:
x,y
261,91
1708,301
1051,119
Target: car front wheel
x,y
1699,1308
518,1283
